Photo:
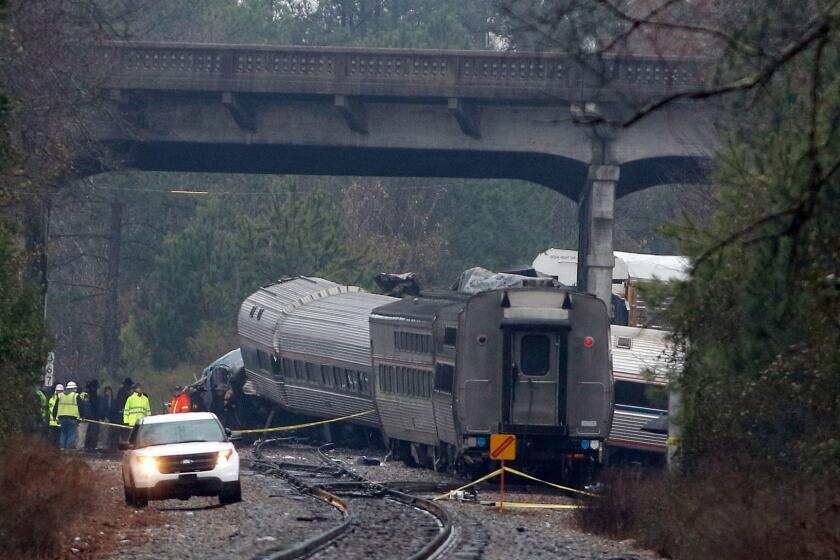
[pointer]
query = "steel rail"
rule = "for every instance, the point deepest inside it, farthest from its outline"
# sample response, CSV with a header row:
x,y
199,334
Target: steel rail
x,y
430,507
322,492
312,544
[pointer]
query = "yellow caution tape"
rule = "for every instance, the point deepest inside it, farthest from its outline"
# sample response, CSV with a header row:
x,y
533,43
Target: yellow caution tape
x,y
566,488
524,505
519,473
105,423
482,479
307,425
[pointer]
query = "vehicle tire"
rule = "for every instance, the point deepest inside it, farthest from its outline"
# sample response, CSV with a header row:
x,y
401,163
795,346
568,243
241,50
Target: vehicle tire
x,y
231,493
129,496
141,498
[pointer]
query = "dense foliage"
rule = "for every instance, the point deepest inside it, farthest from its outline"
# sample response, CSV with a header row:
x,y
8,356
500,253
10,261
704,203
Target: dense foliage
x,y
759,320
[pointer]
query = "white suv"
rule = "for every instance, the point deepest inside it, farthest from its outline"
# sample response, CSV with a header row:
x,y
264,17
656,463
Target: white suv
x,y
178,456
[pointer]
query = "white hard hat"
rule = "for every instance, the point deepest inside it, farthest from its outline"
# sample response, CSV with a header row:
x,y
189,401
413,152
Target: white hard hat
x,y
71,385
59,387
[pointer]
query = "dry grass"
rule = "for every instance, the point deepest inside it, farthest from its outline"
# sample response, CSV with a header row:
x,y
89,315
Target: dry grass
x,y
723,513
41,492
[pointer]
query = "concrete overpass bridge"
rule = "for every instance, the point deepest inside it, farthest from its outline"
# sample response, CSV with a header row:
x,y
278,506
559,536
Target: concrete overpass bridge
x,y
425,113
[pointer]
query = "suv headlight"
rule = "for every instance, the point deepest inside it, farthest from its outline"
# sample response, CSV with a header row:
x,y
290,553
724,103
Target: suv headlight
x,y
224,457
147,464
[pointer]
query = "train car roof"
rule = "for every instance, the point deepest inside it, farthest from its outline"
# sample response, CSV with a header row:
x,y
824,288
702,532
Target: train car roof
x,y
639,351
418,308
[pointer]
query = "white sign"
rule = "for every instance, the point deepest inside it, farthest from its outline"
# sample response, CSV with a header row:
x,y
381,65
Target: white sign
x,y
49,370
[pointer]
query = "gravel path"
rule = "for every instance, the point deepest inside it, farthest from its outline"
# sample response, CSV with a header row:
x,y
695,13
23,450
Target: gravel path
x,y
272,516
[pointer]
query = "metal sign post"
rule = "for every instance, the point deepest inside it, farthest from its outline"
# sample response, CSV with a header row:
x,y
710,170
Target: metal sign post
x,y
502,448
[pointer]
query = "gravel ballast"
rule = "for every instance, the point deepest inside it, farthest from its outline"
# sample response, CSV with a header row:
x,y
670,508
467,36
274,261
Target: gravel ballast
x,y
272,516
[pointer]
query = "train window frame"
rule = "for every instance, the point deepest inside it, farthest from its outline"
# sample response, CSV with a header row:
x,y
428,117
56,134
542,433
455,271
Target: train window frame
x,y
450,336
524,352
642,397
311,373
444,378
624,342
418,343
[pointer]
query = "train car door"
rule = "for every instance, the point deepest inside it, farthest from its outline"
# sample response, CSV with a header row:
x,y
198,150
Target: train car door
x,y
535,377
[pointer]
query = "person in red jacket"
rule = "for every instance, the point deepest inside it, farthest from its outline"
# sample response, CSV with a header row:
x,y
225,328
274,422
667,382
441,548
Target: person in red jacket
x,y
180,401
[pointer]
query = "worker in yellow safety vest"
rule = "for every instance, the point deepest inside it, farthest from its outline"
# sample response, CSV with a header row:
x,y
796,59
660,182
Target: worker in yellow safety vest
x,y
53,399
67,412
136,406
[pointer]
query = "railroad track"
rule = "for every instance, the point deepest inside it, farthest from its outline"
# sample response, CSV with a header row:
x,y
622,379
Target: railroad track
x,y
377,521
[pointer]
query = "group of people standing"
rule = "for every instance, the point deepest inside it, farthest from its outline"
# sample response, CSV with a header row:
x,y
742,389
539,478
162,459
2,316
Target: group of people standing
x,y
66,406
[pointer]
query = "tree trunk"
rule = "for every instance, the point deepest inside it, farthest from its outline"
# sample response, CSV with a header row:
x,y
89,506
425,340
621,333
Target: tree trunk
x,y
111,347
35,235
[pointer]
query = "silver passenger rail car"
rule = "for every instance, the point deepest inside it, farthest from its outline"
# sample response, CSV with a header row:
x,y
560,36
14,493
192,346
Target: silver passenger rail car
x,y
443,371
641,375
306,347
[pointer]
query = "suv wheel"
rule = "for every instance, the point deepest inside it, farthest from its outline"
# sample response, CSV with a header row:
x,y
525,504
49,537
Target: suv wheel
x,y
231,493
141,498
129,495
135,497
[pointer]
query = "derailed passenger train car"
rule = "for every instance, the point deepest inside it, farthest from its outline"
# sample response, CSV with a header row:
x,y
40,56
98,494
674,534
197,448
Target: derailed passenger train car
x,y
641,368
443,371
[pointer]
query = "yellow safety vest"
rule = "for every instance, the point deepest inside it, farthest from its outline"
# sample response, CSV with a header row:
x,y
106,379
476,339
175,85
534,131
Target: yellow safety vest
x,y
43,403
53,421
68,405
136,407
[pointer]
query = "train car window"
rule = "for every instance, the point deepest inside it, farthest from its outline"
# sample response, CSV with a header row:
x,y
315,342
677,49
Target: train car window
x,y
259,314
300,370
450,336
413,342
381,373
443,378
535,350
253,310
311,372
629,393
275,366
351,379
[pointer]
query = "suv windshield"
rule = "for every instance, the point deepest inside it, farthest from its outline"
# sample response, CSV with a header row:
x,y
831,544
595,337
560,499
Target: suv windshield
x,y
178,432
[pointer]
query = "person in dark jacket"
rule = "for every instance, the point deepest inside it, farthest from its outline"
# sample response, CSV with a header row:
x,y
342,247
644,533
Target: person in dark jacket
x,y
116,414
119,402
92,411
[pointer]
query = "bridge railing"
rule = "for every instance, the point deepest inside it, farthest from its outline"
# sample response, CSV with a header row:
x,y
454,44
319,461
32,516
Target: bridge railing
x,y
540,77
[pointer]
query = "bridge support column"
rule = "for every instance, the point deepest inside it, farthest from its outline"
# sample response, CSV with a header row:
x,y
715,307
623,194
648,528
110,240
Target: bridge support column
x,y
596,213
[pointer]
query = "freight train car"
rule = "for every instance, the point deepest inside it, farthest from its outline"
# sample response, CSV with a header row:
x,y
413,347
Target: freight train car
x,y
443,371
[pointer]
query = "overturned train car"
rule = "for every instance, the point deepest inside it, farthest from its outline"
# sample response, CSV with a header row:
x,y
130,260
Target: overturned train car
x,y
442,371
